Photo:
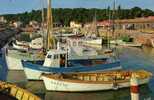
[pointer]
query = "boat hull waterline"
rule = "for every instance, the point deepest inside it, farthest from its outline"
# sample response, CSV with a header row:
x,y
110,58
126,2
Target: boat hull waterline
x,y
57,85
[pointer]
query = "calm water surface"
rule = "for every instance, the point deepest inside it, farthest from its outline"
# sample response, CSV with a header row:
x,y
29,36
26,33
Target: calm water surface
x,y
131,58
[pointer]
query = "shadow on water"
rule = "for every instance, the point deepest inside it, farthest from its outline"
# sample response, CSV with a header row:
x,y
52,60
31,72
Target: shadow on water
x,y
122,94
6,97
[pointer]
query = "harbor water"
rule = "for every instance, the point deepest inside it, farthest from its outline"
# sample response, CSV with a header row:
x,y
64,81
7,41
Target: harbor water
x,y
131,59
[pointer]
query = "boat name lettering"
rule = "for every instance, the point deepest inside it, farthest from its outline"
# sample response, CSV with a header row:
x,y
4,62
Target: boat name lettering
x,y
58,83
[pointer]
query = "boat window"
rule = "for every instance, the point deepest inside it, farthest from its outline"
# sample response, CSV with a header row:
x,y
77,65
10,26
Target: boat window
x,y
49,56
55,56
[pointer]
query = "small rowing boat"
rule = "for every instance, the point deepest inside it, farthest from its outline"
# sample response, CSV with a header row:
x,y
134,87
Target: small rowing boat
x,y
84,82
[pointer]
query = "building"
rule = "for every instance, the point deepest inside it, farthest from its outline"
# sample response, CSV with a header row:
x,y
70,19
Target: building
x,y
2,19
17,24
74,24
144,23
34,24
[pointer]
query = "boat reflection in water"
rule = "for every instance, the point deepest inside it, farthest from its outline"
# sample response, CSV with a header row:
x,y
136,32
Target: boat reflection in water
x,y
122,94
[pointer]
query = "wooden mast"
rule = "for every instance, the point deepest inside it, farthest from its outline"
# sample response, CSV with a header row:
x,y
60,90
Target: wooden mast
x,y
43,22
113,20
50,40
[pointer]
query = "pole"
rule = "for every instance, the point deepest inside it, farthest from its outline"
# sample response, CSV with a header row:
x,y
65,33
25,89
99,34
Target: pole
x,y
42,25
134,89
113,19
50,40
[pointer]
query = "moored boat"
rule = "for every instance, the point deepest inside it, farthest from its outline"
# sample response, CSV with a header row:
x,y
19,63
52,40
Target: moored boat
x,y
84,82
13,57
127,44
94,41
20,47
56,61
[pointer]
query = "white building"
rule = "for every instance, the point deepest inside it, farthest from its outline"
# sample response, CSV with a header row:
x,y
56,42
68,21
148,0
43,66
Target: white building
x,y
17,24
74,24
2,19
34,24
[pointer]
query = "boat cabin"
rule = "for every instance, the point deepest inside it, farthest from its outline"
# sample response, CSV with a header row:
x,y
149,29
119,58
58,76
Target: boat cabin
x,y
74,41
56,59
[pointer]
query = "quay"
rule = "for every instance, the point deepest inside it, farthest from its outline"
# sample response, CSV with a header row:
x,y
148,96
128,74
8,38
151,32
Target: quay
x,y
17,92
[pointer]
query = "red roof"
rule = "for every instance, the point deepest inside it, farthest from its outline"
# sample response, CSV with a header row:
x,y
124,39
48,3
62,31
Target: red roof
x,y
104,23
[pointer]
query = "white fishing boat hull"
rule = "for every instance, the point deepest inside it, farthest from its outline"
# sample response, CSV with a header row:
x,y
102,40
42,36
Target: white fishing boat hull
x,y
127,44
13,63
58,85
131,44
20,47
93,41
21,43
33,74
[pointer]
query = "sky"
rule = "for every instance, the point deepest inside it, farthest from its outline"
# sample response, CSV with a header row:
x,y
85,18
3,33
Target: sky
x,y
18,6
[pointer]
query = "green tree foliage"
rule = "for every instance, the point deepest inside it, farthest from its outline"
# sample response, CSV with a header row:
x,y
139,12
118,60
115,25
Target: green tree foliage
x,y
83,15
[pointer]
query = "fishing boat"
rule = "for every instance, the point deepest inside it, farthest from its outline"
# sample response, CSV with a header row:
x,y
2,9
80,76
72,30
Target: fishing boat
x,y
56,61
20,47
93,36
13,57
84,82
127,44
75,46
36,43
130,44
21,42
94,41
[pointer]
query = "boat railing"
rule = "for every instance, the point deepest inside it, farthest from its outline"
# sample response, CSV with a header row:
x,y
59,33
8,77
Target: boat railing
x,y
112,76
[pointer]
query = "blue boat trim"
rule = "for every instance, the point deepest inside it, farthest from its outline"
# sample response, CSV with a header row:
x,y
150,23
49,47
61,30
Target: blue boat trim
x,y
76,68
3,73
